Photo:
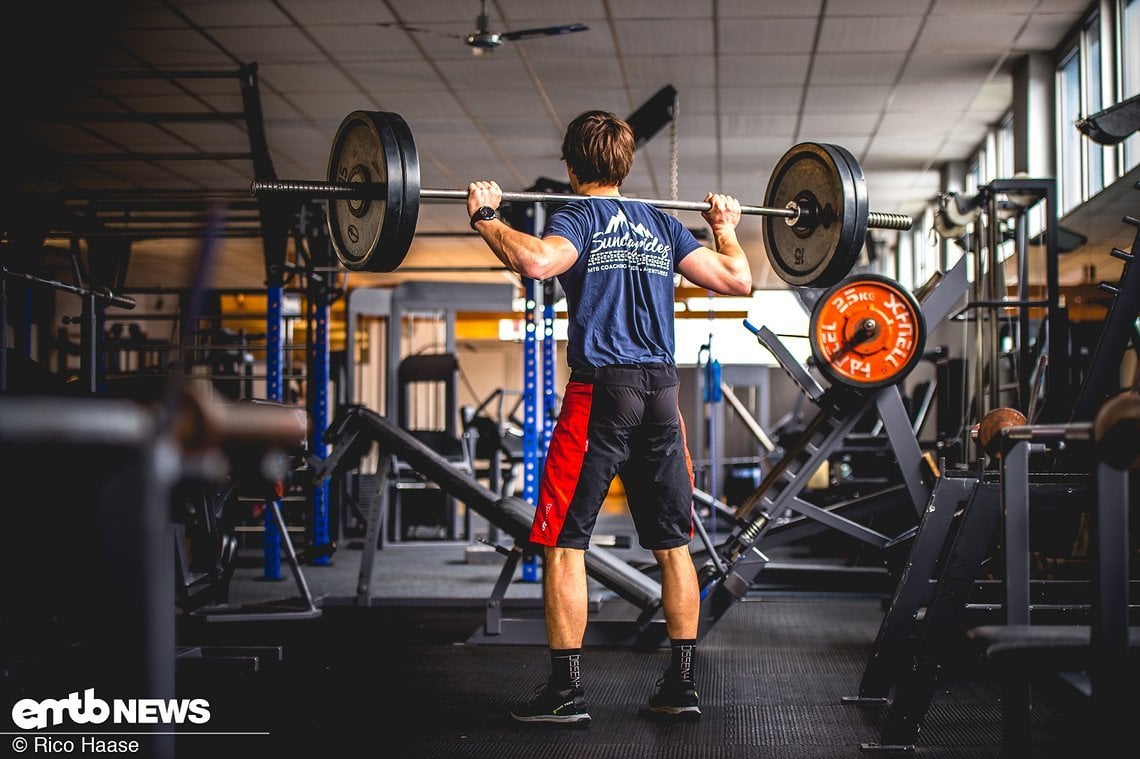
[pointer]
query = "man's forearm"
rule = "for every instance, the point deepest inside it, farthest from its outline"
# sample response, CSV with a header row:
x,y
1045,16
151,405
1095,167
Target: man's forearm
x,y
520,252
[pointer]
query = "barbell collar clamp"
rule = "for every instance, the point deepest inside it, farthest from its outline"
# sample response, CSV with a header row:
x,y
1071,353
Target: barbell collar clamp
x,y
797,212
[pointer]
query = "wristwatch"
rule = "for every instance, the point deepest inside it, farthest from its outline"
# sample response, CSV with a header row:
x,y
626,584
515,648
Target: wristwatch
x,y
485,213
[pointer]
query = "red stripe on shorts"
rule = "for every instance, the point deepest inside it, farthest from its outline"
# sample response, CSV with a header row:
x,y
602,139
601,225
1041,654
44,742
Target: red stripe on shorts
x,y
564,455
689,466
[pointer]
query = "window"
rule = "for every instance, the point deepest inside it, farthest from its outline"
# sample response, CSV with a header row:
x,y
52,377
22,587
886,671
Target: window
x,y
1130,69
1068,142
974,175
1093,103
1003,147
1080,162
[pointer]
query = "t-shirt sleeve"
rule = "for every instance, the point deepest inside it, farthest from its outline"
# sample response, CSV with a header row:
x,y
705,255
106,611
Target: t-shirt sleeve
x,y
684,242
569,221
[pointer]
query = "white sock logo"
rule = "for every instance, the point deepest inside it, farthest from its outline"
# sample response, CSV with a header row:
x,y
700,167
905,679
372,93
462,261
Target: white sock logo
x,y
685,662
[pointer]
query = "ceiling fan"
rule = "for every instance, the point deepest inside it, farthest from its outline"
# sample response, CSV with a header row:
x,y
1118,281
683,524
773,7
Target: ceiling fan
x,y
484,39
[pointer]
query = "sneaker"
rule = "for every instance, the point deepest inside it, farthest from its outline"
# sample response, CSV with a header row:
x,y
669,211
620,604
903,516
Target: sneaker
x,y
551,705
675,698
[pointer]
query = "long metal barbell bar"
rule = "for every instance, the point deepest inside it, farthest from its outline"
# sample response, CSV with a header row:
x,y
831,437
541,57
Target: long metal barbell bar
x,y
374,191
816,202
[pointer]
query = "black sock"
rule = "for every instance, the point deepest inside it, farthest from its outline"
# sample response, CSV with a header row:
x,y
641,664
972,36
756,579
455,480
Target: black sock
x,y
565,668
681,663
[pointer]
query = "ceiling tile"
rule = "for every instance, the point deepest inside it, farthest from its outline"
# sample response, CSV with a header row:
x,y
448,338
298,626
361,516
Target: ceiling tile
x,y
831,124
658,9
764,70
933,67
306,77
665,37
943,98
535,13
222,14
994,96
767,36
901,151
1043,31
267,45
314,13
731,9
771,99
362,42
982,7
177,48
588,73
986,34
913,123
857,68
684,73
850,98
877,7
883,34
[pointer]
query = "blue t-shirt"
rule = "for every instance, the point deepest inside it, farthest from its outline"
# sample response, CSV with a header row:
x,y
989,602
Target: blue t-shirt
x,y
619,293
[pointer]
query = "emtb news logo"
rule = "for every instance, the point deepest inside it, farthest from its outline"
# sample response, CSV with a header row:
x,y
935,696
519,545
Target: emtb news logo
x,y
29,714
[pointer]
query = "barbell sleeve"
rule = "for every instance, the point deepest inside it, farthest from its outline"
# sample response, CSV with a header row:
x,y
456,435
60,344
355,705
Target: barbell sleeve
x,y
375,190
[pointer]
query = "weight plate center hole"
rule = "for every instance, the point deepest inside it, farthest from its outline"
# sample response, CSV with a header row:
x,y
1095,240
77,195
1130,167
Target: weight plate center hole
x,y
358,206
869,331
807,216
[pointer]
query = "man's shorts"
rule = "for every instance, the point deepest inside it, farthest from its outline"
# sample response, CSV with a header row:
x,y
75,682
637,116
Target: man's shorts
x,y
619,420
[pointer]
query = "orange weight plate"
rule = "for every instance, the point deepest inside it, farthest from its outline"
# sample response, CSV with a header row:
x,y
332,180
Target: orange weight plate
x,y
867,332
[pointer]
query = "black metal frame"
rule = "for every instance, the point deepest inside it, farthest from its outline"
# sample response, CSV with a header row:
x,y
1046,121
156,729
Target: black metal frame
x,y
840,408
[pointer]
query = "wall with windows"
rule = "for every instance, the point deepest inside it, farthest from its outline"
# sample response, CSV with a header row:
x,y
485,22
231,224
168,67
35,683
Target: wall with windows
x,y
1097,66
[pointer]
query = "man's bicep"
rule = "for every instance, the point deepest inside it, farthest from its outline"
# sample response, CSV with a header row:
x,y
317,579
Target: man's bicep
x,y
561,252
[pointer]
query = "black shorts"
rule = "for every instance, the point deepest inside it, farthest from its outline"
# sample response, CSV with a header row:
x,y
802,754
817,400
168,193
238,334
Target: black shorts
x,y
618,420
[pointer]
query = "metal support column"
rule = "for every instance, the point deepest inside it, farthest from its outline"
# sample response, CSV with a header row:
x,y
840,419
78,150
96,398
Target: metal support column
x,y
317,399
530,414
274,357
549,397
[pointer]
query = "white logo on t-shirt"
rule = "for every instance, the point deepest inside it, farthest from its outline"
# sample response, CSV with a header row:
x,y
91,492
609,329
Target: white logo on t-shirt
x,y
629,246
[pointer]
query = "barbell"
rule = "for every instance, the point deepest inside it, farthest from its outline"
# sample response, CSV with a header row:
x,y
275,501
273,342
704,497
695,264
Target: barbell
x,y
816,202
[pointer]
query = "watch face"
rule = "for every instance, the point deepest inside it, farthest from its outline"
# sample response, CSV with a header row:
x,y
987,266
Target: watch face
x,y
483,214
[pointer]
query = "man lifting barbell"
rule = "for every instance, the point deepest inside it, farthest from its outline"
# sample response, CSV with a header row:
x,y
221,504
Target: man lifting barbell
x,y
615,258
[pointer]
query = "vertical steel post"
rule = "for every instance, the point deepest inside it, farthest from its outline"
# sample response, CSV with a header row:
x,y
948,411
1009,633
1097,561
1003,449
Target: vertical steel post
x,y
549,405
530,413
317,399
534,435
274,357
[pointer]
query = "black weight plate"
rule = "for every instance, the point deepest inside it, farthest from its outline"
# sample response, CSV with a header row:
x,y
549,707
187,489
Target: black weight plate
x,y
366,232
847,261
403,234
807,257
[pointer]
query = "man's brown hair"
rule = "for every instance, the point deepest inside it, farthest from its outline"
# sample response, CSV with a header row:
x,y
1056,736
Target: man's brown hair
x,y
599,147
